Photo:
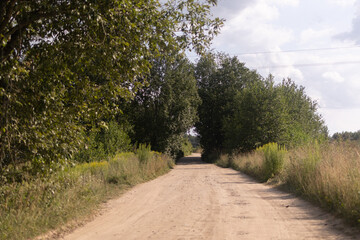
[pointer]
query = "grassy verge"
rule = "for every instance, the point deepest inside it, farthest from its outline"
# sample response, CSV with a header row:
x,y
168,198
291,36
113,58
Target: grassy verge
x,y
327,174
35,207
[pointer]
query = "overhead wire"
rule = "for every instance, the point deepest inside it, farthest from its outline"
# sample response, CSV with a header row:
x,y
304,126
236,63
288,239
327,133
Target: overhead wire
x,y
309,65
300,50
297,50
304,64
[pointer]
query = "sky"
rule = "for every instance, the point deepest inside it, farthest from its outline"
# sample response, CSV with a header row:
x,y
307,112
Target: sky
x,y
315,43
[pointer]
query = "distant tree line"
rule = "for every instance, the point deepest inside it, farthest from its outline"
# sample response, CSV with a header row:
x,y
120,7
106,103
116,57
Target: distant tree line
x,y
345,136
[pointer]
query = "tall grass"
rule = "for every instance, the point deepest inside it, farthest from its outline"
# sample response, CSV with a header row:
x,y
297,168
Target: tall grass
x,y
327,174
263,163
31,208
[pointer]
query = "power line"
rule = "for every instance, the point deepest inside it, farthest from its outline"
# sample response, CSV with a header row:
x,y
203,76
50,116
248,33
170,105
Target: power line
x,y
291,50
297,50
308,65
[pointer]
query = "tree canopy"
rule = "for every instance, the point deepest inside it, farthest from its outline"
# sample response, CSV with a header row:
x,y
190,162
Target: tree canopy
x,y
241,110
64,65
164,110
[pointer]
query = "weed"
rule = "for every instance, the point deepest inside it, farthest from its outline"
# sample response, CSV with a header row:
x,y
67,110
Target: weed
x,y
327,174
33,207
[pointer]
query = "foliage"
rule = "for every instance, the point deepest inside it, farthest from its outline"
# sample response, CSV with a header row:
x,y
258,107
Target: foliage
x,y
194,140
186,146
64,65
219,78
328,174
33,207
258,117
104,143
274,157
224,161
143,152
241,110
163,111
344,136
303,123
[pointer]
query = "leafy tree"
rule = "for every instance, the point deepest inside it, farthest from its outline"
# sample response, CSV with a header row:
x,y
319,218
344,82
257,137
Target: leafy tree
x,y
64,65
163,111
241,110
302,122
194,140
102,143
219,79
345,136
258,117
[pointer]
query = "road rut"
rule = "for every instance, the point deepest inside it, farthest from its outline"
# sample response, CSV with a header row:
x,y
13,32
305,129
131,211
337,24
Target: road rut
x,y
202,201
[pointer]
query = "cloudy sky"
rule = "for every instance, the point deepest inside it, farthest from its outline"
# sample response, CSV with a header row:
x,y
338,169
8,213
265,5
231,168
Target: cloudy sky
x,y
315,43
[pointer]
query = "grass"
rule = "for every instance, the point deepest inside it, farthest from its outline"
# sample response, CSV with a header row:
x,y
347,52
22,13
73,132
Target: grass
x,y
326,174
34,207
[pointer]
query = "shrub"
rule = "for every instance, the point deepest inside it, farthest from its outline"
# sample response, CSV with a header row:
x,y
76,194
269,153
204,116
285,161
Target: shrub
x,y
327,173
30,208
274,156
144,153
224,161
186,147
104,143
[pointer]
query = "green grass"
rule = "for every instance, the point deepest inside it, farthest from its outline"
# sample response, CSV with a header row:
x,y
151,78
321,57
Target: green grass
x,y
327,174
32,208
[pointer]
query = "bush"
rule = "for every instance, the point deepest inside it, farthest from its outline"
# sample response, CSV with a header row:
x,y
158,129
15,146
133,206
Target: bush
x,y
186,146
144,153
274,156
104,143
30,208
327,173
224,161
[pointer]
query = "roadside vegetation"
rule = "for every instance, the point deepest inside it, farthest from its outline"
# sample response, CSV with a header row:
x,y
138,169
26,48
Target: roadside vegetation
x,y
32,207
96,97
272,131
90,92
327,174
241,110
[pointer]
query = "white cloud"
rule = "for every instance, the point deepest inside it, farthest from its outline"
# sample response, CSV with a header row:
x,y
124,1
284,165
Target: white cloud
x,y
255,26
354,34
315,36
334,77
343,3
250,30
283,2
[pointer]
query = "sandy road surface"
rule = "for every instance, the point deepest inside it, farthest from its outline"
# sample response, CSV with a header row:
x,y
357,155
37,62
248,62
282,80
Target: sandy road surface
x,y
202,201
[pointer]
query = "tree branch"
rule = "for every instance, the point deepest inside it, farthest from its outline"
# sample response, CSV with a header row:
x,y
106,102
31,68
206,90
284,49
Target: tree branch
x,y
6,13
15,33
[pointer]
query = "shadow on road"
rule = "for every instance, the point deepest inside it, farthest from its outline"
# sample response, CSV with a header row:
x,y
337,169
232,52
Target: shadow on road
x,y
190,160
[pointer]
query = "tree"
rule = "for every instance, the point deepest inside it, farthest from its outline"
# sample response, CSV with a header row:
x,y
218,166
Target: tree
x,y
259,117
303,122
219,79
162,112
241,110
65,64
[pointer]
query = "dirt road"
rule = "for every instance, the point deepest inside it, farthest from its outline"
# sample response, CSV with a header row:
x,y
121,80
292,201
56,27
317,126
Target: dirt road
x,y
201,201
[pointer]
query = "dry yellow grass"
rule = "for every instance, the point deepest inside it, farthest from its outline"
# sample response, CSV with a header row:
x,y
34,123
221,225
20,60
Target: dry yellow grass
x,y
30,208
328,174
